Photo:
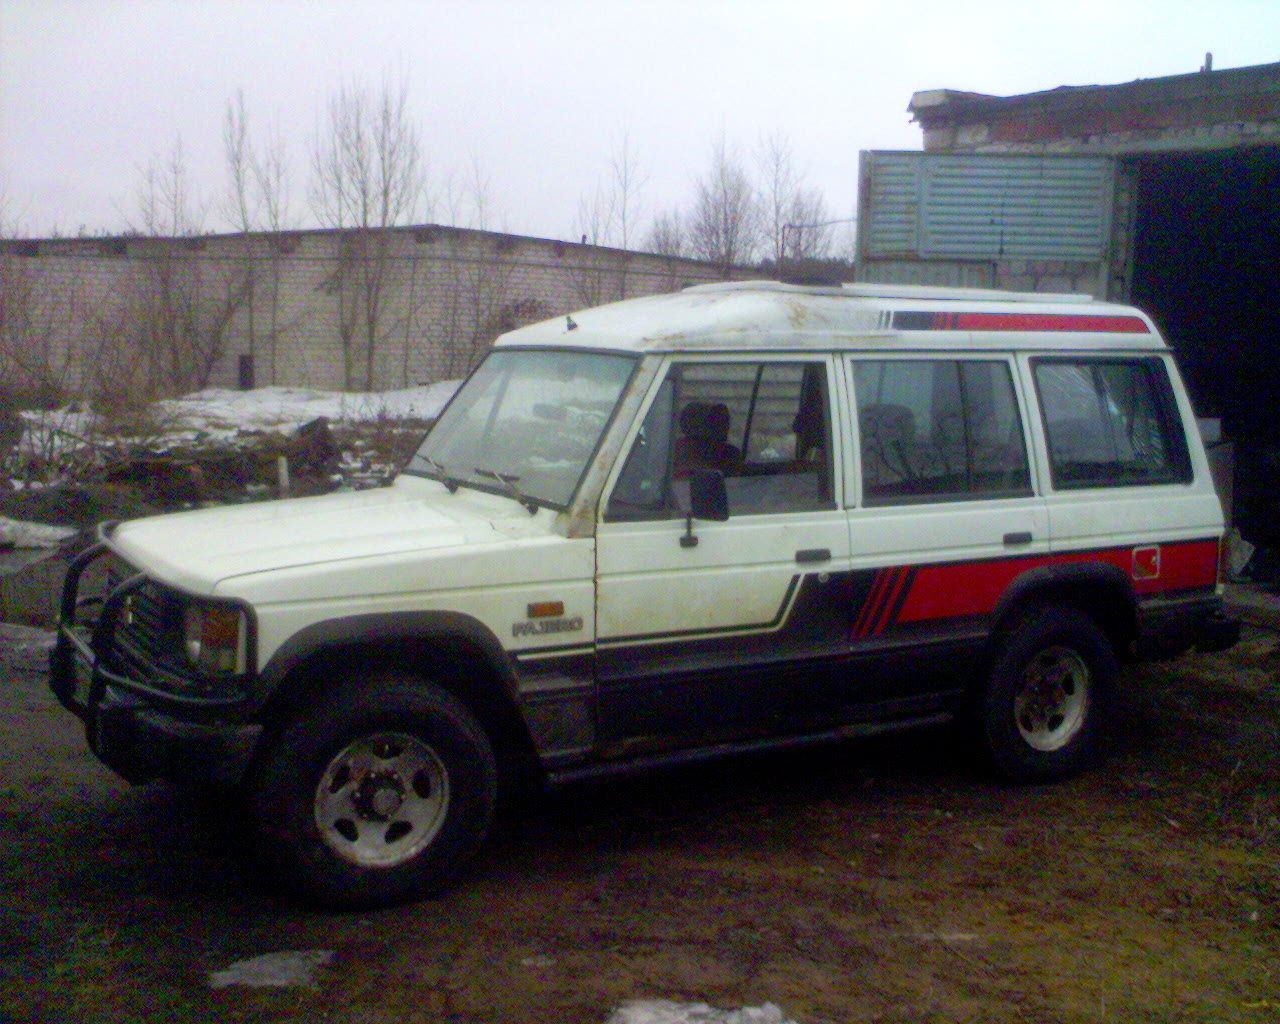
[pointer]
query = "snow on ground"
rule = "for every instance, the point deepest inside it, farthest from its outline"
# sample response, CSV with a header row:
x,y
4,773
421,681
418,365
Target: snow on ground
x,y
218,409
662,1011
17,534
219,414
274,970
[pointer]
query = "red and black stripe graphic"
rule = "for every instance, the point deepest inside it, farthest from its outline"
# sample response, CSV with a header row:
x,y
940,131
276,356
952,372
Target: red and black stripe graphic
x,y
906,595
889,589
923,320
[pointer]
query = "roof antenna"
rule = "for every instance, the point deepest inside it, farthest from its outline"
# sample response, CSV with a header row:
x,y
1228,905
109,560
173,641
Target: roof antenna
x,y
570,324
1208,62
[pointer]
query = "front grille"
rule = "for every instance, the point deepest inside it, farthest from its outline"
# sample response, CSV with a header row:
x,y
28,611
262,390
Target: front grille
x,y
132,627
148,634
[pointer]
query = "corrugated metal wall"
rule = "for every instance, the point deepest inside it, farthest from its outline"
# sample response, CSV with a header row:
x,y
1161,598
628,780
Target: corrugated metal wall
x,y
922,206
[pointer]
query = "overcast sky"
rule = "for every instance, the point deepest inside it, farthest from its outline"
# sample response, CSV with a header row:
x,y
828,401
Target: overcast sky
x,y
538,93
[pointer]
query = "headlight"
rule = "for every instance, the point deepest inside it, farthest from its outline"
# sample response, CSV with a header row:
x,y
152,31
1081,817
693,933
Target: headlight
x,y
214,638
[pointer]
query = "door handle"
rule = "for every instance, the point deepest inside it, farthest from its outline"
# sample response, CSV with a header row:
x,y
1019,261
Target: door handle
x,y
813,555
1020,537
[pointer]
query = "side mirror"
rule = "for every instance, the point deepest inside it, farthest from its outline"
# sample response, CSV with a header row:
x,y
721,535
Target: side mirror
x,y
707,500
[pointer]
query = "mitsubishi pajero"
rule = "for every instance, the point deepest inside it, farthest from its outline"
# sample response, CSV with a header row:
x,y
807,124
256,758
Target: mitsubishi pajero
x,y
741,516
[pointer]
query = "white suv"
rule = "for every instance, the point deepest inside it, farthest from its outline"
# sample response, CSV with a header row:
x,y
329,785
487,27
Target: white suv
x,y
740,516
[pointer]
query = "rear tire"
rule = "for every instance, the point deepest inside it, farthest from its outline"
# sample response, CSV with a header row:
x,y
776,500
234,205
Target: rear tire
x,y
381,793
1046,694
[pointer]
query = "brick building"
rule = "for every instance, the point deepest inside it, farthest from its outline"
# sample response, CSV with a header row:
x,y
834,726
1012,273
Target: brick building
x,y
111,314
1162,192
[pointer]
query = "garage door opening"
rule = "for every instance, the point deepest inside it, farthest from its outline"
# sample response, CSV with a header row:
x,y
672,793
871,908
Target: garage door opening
x,y
1206,254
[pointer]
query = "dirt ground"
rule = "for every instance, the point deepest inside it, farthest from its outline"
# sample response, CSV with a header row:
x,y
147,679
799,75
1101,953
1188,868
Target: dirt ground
x,y
874,881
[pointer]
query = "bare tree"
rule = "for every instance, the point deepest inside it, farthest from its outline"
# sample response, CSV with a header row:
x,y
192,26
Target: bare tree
x,y
257,194
368,174
666,235
257,198
11,225
723,227
167,204
239,204
793,216
185,306
626,181
595,217
34,361
476,289
590,277
608,216
808,228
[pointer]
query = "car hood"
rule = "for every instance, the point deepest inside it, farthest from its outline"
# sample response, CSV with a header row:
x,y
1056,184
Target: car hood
x,y
197,550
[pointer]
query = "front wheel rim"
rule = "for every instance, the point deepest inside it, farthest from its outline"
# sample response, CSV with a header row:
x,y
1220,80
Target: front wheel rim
x,y
1052,700
382,799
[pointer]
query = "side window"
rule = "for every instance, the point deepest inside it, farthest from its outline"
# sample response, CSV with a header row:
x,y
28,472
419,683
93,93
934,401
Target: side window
x,y
765,426
938,430
1110,423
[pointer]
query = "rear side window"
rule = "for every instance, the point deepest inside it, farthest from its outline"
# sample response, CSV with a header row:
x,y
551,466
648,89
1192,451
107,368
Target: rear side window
x,y
1111,423
938,430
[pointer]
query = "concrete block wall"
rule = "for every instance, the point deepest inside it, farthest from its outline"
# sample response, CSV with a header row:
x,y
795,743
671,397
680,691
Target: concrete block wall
x,y
100,308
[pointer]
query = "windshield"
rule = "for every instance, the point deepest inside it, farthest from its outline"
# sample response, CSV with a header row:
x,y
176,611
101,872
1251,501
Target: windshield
x,y
526,423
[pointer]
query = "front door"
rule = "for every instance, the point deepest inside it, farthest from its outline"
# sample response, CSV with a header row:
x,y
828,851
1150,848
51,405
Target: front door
x,y
694,619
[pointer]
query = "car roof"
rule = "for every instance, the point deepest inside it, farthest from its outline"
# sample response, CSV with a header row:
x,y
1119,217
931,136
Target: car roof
x,y
771,315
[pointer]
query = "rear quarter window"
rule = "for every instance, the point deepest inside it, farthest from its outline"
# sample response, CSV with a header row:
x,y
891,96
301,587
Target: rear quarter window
x,y
1110,423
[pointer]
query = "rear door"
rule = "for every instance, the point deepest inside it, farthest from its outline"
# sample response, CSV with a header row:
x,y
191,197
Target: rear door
x,y
944,514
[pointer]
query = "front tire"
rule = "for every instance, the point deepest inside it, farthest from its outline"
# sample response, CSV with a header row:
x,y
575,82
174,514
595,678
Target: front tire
x,y
1046,694
382,793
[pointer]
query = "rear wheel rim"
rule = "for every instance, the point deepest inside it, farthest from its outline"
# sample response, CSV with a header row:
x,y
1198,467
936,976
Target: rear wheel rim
x,y
1052,700
382,799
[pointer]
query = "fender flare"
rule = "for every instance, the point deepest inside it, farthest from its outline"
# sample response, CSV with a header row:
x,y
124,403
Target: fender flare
x,y
1059,575
383,628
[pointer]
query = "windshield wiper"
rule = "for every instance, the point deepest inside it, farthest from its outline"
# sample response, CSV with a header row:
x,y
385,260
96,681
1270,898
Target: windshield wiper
x,y
508,480
451,484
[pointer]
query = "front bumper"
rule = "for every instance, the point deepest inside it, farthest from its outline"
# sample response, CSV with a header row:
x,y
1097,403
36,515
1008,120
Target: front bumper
x,y
137,740
137,728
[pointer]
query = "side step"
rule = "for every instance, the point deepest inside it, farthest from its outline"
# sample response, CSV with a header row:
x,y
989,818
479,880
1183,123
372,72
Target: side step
x,y
693,755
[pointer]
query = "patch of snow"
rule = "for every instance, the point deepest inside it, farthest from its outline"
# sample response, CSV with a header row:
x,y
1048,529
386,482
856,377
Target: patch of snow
x,y
51,432
274,970
15,533
216,410
222,415
663,1011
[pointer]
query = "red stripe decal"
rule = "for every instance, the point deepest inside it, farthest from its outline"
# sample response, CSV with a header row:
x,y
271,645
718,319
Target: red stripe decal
x,y
973,588
1048,322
